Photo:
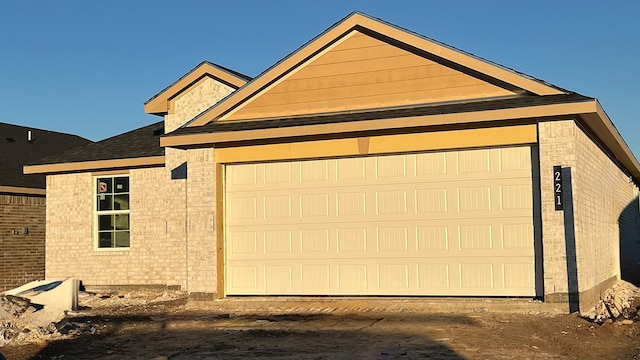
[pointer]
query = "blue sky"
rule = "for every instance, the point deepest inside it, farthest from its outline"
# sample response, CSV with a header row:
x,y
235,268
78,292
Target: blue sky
x,y
87,67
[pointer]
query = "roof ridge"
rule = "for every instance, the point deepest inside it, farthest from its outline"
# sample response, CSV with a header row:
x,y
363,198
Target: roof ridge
x,y
44,130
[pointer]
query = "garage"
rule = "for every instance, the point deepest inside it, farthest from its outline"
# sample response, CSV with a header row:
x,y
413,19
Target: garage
x,y
441,223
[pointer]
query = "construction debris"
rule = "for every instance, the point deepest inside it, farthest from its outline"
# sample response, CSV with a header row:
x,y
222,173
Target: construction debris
x,y
22,320
620,303
30,312
50,298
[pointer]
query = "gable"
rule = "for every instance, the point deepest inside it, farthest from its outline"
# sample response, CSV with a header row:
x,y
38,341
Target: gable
x,y
161,103
362,72
386,40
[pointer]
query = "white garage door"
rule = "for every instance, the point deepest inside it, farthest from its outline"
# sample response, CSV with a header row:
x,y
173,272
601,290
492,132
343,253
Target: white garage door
x,y
443,223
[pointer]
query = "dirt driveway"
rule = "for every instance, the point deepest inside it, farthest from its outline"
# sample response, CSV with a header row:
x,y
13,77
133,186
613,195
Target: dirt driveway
x,y
173,330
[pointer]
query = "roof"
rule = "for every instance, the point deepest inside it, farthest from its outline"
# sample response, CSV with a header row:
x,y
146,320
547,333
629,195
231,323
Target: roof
x,y
141,147
159,103
17,149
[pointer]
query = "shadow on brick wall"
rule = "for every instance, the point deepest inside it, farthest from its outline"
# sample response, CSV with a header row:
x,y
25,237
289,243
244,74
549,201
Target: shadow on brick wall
x,y
629,226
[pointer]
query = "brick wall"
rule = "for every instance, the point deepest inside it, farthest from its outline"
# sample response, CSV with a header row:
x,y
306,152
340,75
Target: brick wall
x,y
70,242
201,238
602,192
162,252
195,100
602,195
157,253
22,255
556,147
629,223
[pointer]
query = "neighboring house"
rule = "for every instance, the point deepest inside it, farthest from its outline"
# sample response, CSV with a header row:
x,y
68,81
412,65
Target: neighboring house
x,y
22,201
371,161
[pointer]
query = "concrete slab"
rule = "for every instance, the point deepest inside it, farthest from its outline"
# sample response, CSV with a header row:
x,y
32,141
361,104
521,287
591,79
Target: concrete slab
x,y
50,298
304,305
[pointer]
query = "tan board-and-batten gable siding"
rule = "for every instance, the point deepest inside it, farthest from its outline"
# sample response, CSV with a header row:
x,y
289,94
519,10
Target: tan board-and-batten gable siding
x,y
362,72
393,38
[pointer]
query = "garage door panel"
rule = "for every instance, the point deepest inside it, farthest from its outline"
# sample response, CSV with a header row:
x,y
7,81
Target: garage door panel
x,y
279,279
496,237
345,204
518,276
440,277
447,223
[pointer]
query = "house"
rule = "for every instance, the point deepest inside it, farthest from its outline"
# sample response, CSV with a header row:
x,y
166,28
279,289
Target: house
x,y
22,201
371,161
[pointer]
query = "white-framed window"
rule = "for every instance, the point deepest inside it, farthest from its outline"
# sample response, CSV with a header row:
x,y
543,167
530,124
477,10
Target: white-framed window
x,y
112,211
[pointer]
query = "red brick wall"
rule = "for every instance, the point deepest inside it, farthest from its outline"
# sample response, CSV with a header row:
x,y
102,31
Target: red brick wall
x,y
21,255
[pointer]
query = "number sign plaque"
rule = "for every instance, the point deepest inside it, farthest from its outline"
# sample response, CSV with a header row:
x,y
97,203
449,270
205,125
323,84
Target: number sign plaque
x,y
557,187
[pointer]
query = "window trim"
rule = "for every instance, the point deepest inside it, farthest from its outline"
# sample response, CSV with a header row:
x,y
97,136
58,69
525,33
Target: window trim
x,y
97,213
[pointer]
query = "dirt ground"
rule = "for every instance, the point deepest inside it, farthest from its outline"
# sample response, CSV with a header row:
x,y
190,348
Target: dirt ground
x,y
119,328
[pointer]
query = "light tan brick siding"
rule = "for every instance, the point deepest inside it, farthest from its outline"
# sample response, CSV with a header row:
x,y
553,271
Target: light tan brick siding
x,y
201,238
21,254
195,100
601,193
162,251
158,230
70,242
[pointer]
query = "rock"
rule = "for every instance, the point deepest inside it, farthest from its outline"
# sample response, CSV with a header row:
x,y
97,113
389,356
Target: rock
x,y
620,302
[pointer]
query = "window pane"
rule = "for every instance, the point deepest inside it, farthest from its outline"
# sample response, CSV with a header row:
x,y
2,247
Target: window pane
x,y
121,239
105,240
105,202
112,211
104,185
121,185
105,222
121,202
121,221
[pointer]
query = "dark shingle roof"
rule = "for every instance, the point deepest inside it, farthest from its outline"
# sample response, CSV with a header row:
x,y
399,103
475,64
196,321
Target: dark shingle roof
x,y
415,110
16,151
141,142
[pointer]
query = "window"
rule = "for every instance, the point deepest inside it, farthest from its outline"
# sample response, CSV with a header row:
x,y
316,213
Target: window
x,y
112,211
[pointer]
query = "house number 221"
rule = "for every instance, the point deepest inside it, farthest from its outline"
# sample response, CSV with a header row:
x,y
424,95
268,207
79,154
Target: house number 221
x,y
557,187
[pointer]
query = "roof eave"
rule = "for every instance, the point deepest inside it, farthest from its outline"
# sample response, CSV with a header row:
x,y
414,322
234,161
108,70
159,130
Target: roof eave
x,y
95,165
601,126
22,190
529,112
